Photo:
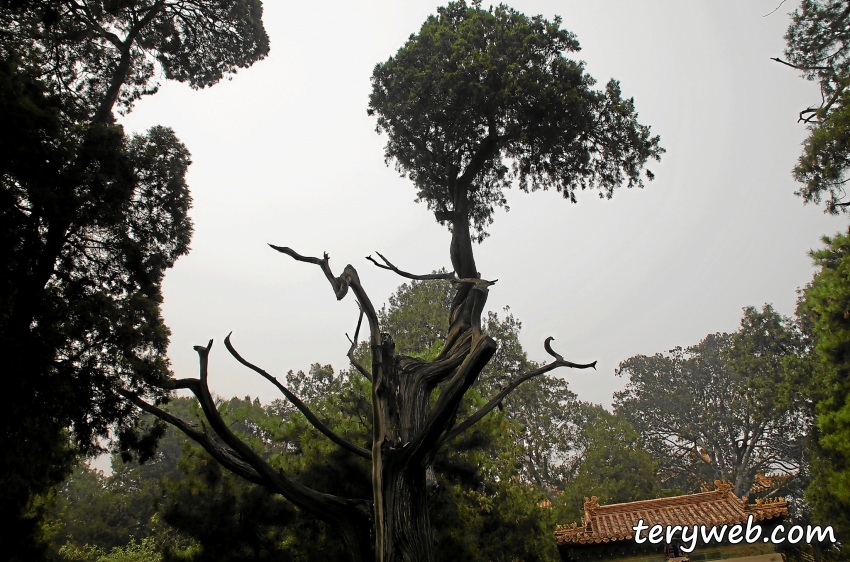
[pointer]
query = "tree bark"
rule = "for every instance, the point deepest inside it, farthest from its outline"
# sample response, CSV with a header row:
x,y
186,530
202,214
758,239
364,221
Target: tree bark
x,y
407,428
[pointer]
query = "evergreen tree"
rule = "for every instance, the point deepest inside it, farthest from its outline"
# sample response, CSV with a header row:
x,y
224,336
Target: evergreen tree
x,y
91,220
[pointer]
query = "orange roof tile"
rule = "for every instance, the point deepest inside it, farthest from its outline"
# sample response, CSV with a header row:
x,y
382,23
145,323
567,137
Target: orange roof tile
x,y
606,523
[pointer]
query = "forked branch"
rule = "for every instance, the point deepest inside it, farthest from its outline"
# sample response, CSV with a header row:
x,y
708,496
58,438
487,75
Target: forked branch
x,y
446,276
340,288
363,371
473,419
326,506
350,516
302,407
389,266
226,457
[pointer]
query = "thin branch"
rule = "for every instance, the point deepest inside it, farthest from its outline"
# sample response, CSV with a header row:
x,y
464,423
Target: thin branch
x,y
389,266
311,417
363,371
786,63
473,419
776,8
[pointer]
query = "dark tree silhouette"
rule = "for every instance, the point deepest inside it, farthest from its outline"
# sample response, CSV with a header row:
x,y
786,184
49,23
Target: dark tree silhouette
x,y
473,91
91,220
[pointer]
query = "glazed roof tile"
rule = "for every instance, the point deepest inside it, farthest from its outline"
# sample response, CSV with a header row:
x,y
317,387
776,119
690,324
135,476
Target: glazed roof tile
x,y
606,523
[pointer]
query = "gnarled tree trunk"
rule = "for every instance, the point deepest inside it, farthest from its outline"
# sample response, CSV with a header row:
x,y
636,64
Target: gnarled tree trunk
x,y
407,429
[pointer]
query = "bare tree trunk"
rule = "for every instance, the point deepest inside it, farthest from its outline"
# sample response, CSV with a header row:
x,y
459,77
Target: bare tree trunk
x,y
406,525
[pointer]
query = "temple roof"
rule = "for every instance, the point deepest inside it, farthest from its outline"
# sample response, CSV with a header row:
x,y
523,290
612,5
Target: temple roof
x,y
607,523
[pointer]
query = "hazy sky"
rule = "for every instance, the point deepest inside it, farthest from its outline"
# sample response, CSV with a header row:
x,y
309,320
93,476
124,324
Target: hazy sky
x,y
285,153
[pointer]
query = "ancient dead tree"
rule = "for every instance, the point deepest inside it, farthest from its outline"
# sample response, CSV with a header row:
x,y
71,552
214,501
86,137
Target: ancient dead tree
x,y
407,430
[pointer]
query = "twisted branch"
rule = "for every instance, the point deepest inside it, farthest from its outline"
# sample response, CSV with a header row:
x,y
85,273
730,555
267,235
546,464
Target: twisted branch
x,y
473,419
349,278
481,350
311,417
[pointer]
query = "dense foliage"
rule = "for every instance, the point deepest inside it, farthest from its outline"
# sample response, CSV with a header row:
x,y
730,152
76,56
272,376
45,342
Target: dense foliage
x,y
722,409
92,218
824,306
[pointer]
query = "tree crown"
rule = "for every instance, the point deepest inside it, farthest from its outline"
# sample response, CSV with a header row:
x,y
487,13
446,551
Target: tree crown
x,y
479,98
98,54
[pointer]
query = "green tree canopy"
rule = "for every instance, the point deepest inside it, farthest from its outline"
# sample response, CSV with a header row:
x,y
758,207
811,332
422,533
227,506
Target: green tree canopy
x,y
612,465
721,409
477,91
818,45
824,305
92,218
98,56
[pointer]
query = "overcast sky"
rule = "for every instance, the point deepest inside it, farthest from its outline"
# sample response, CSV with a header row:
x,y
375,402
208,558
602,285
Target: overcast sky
x,y
285,154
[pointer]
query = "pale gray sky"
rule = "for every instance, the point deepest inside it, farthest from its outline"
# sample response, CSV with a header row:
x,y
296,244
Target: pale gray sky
x,y
285,153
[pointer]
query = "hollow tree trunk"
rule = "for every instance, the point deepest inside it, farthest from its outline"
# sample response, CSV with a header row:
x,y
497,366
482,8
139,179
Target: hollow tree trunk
x,y
402,526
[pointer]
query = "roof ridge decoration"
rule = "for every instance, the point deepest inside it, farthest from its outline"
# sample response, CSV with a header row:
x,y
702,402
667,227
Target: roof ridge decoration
x,y
591,504
761,482
614,522
724,487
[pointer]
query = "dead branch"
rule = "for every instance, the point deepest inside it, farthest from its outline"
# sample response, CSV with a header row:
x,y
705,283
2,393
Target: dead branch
x,y
786,63
340,288
349,278
473,419
226,457
298,403
351,516
325,505
389,266
363,371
